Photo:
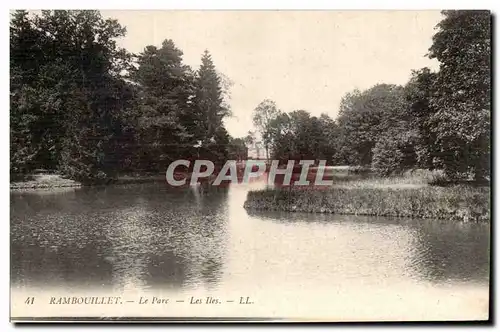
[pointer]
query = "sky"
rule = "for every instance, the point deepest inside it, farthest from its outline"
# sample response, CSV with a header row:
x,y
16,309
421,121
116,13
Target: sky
x,y
301,60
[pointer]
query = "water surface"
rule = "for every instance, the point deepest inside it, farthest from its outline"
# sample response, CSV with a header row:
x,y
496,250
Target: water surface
x,y
150,239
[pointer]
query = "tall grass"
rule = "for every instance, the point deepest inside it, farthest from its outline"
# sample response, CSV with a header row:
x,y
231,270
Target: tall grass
x,y
457,203
410,179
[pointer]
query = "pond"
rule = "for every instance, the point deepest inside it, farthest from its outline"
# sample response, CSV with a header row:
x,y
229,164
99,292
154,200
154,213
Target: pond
x,y
183,244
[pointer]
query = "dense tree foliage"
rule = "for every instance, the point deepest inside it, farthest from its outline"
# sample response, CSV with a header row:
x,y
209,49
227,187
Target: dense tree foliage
x,y
395,151
263,115
163,118
418,92
66,92
437,120
366,115
81,105
461,99
237,149
298,135
210,109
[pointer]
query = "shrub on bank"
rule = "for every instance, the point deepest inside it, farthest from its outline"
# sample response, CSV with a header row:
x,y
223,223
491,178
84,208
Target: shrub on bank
x,y
457,203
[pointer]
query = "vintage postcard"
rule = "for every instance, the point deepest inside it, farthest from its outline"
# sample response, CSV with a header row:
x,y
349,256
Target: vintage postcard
x,y
305,166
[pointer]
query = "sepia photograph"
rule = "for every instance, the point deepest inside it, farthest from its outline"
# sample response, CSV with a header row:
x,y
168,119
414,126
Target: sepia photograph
x,y
250,165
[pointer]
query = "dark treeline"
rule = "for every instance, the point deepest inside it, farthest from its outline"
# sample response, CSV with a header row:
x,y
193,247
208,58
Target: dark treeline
x,y
88,109
84,107
438,120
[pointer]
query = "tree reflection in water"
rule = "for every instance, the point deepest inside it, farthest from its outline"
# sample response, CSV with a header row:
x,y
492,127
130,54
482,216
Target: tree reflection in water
x,y
128,237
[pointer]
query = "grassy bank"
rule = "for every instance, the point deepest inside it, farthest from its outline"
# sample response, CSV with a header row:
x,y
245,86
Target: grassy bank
x,y
466,203
43,181
48,181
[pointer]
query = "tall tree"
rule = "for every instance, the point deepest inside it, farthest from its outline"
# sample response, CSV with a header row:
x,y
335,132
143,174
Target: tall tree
x,y
328,139
263,115
238,149
364,116
298,135
280,136
67,82
249,138
418,92
24,98
165,121
209,100
461,123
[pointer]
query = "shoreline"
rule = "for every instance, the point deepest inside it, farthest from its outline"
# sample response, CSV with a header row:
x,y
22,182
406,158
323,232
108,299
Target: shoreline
x,y
387,198
56,181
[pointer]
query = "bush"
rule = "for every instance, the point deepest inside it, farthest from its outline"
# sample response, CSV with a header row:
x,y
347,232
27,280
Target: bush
x,y
83,166
393,153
